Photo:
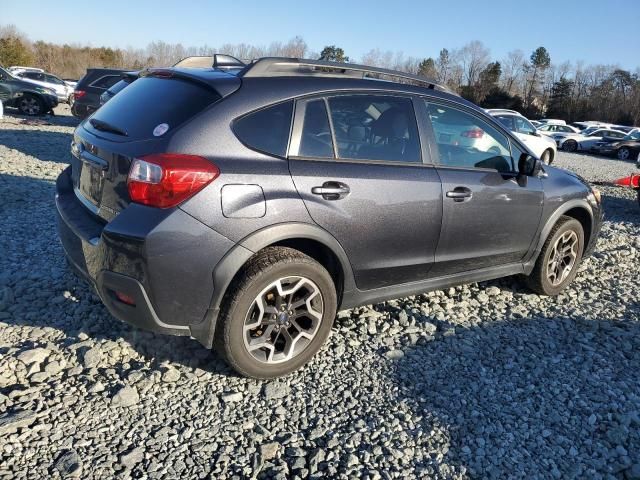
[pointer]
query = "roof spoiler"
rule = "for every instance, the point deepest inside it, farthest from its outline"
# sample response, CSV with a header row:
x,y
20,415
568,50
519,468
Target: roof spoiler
x,y
217,60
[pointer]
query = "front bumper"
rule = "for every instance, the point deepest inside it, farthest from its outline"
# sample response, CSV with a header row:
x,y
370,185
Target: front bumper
x,y
50,101
598,218
162,259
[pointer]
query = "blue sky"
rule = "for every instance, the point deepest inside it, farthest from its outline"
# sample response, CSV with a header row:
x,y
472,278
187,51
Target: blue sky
x,y
603,31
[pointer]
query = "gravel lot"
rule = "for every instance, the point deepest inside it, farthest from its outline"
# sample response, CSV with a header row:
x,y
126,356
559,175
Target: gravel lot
x,y
480,381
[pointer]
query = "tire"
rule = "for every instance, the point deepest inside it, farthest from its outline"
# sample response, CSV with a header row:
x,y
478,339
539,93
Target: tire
x,y
30,105
546,157
539,280
623,153
570,146
279,346
70,100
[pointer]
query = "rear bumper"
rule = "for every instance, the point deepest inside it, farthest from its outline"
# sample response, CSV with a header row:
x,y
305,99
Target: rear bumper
x,y
82,110
162,259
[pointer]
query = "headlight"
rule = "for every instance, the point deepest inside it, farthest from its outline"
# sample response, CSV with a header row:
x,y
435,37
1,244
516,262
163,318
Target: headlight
x,y
594,197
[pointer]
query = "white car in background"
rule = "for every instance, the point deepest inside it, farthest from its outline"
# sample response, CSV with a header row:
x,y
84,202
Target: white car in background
x,y
552,121
587,139
550,129
542,146
64,92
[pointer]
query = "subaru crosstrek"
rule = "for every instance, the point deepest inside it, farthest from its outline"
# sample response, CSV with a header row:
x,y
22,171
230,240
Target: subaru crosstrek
x,y
245,209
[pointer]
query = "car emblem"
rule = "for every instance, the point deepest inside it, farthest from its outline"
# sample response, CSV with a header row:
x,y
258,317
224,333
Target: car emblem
x,y
160,130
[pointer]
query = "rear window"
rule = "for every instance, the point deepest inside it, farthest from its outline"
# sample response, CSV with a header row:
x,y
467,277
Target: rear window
x,y
149,102
106,81
266,130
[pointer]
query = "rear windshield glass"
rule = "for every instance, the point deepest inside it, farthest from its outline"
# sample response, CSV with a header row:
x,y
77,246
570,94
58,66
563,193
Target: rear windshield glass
x,y
148,102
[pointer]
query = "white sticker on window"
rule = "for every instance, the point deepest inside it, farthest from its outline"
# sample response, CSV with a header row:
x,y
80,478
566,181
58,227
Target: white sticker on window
x,y
160,130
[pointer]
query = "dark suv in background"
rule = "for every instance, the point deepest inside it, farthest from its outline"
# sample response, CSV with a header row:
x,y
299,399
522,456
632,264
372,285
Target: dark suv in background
x,y
28,98
86,96
245,209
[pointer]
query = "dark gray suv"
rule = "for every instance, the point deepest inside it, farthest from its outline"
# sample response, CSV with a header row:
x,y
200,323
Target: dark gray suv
x,y
245,209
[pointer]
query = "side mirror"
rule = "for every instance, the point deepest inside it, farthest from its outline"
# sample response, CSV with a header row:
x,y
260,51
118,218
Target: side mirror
x,y
528,166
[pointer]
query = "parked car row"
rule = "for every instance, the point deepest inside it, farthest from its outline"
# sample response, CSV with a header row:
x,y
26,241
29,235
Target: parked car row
x,y
37,76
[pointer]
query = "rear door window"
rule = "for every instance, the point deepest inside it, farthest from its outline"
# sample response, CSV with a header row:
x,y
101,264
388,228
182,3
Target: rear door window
x,y
106,81
148,102
266,130
375,127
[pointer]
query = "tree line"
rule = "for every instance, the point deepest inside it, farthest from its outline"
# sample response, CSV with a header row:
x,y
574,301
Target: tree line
x,y
531,84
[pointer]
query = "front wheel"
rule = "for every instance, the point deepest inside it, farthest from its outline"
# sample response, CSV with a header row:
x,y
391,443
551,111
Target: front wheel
x,y
546,157
558,261
570,146
623,153
30,105
277,314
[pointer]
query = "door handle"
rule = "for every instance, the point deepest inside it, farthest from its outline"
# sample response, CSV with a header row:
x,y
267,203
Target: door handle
x,y
460,194
332,190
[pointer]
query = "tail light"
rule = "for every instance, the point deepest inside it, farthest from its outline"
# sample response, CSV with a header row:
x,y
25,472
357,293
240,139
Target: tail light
x,y
78,94
475,133
168,179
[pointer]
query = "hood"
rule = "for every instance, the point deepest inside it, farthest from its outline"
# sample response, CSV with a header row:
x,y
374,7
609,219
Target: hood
x,y
556,172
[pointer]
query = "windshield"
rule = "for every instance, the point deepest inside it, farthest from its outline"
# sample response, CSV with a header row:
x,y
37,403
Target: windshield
x,y
590,130
632,136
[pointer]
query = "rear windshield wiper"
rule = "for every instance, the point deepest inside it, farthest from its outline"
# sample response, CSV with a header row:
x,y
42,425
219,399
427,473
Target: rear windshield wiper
x,y
106,127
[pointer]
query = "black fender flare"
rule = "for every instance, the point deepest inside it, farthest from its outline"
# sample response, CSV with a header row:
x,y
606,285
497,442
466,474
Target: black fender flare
x,y
233,261
551,221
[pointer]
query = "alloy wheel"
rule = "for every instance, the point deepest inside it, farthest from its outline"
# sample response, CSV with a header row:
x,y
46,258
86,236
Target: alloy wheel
x,y
30,106
562,258
623,154
283,319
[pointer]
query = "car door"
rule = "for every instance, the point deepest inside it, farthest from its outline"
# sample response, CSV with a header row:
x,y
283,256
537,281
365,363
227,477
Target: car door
x,y
489,218
357,163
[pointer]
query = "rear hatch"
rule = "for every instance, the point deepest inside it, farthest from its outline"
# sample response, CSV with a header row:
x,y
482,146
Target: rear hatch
x,y
136,122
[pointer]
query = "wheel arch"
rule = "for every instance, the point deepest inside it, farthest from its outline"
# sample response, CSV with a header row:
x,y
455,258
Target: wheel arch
x,y
309,239
578,209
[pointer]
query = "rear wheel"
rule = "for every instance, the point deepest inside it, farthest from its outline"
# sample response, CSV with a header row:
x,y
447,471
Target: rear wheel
x,y
558,261
623,153
277,314
570,146
30,105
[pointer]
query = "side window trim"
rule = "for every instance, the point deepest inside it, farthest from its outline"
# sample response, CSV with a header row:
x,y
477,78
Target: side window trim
x,y
327,108
496,125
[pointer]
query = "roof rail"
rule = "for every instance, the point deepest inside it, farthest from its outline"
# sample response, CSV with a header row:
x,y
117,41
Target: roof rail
x,y
294,67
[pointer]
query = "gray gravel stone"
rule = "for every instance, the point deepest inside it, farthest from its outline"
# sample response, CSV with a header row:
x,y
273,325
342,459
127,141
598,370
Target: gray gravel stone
x,y
68,464
34,355
276,390
12,422
132,458
125,397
